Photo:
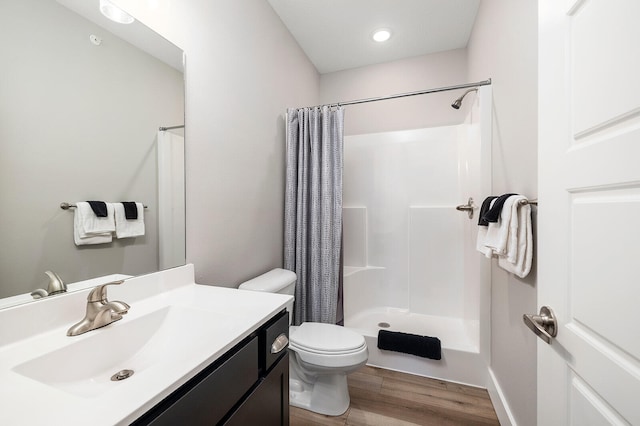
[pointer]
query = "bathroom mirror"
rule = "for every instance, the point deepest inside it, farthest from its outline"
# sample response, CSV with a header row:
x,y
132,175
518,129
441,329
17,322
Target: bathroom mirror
x,y
82,101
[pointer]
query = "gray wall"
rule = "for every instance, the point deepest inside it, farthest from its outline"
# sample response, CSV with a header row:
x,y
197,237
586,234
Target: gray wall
x,y
77,122
243,70
407,75
504,46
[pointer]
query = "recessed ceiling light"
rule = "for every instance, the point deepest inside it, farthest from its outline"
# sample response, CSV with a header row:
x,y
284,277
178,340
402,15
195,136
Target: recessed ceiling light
x,y
381,35
114,13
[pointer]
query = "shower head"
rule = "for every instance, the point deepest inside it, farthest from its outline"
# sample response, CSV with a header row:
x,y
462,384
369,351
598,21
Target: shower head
x,y
458,102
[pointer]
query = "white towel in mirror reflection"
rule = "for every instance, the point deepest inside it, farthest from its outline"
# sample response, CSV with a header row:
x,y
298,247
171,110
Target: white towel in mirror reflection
x,y
91,229
128,228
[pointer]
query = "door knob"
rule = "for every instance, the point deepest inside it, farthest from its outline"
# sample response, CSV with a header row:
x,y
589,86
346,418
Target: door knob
x,y
544,325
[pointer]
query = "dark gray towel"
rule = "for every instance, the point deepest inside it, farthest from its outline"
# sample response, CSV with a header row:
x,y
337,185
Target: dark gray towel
x,y
494,212
99,208
130,210
424,346
486,204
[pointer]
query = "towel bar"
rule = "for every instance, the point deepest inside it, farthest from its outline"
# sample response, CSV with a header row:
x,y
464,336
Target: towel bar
x,y
531,202
66,206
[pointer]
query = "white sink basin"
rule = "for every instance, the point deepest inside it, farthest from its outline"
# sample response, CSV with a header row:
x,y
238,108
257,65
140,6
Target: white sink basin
x,y
84,367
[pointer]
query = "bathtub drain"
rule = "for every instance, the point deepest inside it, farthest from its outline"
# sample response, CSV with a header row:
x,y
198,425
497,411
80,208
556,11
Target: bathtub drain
x,y
121,375
384,325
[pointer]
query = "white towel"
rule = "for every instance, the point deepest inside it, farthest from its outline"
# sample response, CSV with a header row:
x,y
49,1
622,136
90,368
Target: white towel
x,y
480,241
129,228
511,238
498,232
514,227
520,251
91,229
92,239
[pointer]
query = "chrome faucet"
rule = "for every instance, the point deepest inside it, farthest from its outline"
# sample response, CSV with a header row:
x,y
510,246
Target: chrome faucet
x,y
100,311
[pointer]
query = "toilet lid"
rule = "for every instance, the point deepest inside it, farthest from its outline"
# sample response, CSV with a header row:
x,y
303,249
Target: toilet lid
x,y
326,338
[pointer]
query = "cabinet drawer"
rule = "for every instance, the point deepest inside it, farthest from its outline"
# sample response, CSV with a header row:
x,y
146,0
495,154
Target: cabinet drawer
x,y
208,401
272,331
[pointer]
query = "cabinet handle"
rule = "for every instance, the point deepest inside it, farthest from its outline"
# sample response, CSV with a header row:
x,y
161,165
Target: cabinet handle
x,y
279,344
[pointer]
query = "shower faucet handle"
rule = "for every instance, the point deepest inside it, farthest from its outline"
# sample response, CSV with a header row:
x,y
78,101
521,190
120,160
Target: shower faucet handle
x,y
469,207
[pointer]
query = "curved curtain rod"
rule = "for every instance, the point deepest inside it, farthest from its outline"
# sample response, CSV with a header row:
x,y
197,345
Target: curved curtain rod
x,y
404,95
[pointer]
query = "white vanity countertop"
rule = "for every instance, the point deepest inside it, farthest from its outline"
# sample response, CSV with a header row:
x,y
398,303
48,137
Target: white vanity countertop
x,y
32,337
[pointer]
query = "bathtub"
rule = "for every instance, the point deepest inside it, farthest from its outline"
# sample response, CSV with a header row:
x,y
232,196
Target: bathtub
x,y
461,361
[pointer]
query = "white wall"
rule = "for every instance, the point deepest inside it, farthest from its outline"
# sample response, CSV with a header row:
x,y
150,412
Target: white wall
x,y
407,75
503,46
243,70
79,122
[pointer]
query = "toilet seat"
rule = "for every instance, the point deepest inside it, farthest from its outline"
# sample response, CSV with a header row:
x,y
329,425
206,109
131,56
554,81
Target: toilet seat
x,y
325,338
327,345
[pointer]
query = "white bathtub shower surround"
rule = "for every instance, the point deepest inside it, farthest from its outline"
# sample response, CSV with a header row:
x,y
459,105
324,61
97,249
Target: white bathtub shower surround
x,y
410,259
436,271
354,225
405,183
461,360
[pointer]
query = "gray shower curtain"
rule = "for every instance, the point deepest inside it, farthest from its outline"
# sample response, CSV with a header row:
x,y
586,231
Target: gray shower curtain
x,y
313,211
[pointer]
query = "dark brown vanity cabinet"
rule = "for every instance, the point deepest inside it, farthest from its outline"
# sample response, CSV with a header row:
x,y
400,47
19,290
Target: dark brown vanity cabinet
x,y
249,385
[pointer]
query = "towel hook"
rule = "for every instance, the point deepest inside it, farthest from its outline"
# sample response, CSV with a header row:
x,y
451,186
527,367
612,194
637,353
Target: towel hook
x,y
469,207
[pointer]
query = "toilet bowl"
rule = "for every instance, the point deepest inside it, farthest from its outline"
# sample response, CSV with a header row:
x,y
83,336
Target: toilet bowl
x,y
321,355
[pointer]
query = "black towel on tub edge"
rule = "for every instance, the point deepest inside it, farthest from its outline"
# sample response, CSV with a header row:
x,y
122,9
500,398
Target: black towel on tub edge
x,y
423,346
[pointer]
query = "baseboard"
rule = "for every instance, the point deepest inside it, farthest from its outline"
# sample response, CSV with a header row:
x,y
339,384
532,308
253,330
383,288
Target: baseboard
x,y
499,401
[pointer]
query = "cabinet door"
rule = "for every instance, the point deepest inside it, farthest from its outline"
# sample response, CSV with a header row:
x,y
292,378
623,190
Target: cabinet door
x,y
268,404
208,401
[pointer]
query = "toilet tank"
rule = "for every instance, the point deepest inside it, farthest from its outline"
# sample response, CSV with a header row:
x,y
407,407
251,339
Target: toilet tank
x,y
275,281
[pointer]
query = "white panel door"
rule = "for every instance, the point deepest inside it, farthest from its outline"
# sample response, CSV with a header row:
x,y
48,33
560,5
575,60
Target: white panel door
x,y
589,212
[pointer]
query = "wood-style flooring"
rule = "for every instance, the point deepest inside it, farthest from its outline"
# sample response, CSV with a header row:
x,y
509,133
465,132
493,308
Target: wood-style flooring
x,y
388,398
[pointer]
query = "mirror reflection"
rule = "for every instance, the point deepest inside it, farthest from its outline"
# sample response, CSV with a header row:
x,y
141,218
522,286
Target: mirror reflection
x,y
80,112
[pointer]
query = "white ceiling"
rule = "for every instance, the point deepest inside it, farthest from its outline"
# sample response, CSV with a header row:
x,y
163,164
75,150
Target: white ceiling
x,y
336,34
136,33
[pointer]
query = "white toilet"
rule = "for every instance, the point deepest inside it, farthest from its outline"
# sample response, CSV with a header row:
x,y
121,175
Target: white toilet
x,y
321,355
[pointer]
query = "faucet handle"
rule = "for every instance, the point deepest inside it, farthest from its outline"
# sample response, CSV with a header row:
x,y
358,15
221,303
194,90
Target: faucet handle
x,y
99,293
56,285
